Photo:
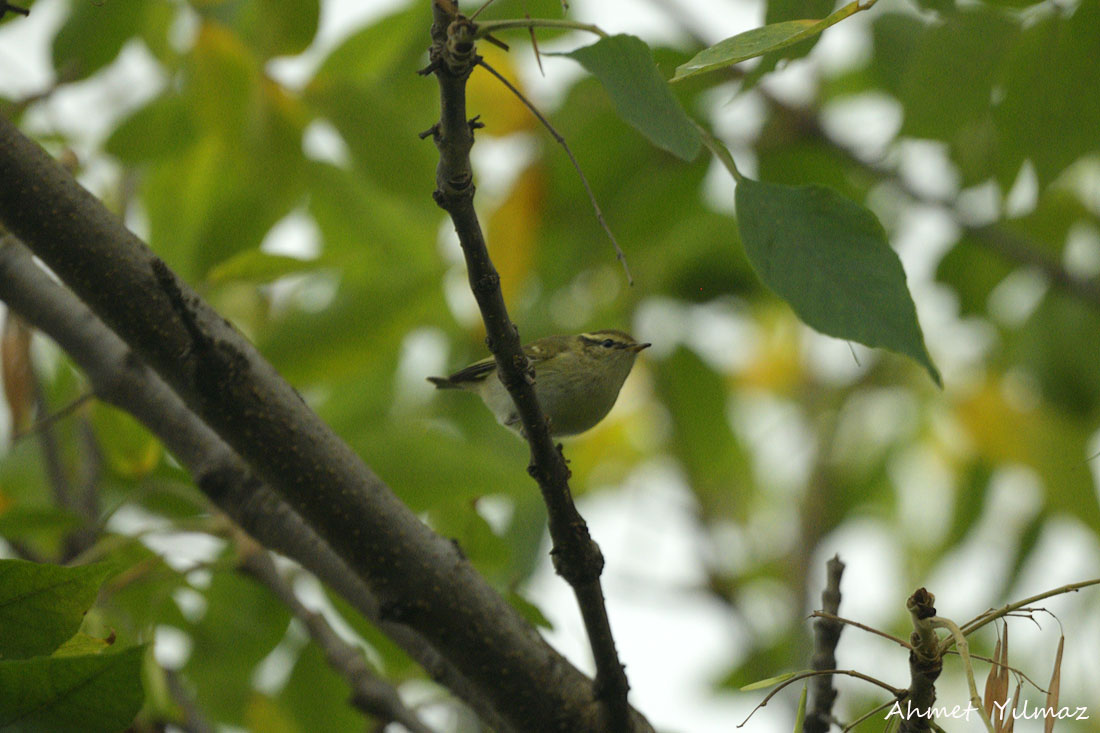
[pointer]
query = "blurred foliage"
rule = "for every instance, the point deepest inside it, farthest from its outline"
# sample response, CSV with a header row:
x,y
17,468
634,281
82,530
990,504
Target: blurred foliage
x,y
371,299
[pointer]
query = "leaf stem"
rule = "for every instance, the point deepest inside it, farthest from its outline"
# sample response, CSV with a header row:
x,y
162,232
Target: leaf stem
x,y
991,615
490,26
720,151
560,140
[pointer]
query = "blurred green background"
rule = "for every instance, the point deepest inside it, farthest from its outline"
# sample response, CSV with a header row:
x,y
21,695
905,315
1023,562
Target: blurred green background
x,y
269,152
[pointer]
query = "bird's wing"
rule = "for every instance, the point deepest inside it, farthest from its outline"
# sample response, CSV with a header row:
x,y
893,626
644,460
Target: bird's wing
x,y
476,372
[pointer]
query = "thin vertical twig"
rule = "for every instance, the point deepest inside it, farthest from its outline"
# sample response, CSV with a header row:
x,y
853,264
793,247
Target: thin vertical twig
x,y
826,636
576,556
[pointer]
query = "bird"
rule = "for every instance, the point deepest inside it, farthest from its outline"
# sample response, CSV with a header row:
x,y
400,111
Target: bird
x,y
577,379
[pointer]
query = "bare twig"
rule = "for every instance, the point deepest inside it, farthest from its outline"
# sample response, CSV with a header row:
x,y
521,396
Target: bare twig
x,y
121,379
898,694
6,8
576,557
370,693
993,614
576,165
862,627
877,709
826,637
52,418
925,663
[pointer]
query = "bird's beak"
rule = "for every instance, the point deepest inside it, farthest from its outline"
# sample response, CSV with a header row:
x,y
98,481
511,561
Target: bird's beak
x,y
639,347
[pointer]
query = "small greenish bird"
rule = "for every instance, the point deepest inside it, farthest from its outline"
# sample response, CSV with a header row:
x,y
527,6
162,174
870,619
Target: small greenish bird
x,y
577,379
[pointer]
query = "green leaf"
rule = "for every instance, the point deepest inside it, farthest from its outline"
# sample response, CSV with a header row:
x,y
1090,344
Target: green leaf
x,y
129,449
759,41
770,682
94,34
43,605
1050,346
364,84
28,521
1051,110
316,697
82,644
800,713
702,440
828,257
780,11
159,129
258,267
270,27
530,612
241,626
896,37
88,693
952,102
624,65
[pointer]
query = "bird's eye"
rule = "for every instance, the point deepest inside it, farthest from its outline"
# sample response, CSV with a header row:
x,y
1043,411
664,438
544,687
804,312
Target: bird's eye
x,y
607,343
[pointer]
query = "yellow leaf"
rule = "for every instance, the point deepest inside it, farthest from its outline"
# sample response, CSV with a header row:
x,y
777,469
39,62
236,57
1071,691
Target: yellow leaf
x,y
513,230
1008,424
15,352
130,450
777,366
501,110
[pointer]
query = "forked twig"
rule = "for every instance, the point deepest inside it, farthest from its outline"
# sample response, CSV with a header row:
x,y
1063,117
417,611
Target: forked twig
x,y
992,614
863,627
897,693
6,8
53,417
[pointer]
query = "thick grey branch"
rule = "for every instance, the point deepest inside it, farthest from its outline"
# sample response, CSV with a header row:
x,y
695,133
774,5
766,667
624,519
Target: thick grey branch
x,y
122,379
419,578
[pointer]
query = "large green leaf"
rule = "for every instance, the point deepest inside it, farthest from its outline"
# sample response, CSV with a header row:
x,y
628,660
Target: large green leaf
x,y
270,27
88,693
716,463
43,605
241,626
367,89
159,129
624,65
317,697
94,33
829,258
949,82
1050,113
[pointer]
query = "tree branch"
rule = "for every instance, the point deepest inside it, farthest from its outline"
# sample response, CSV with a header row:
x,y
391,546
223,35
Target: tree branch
x,y
925,662
826,636
576,557
123,380
418,578
371,694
